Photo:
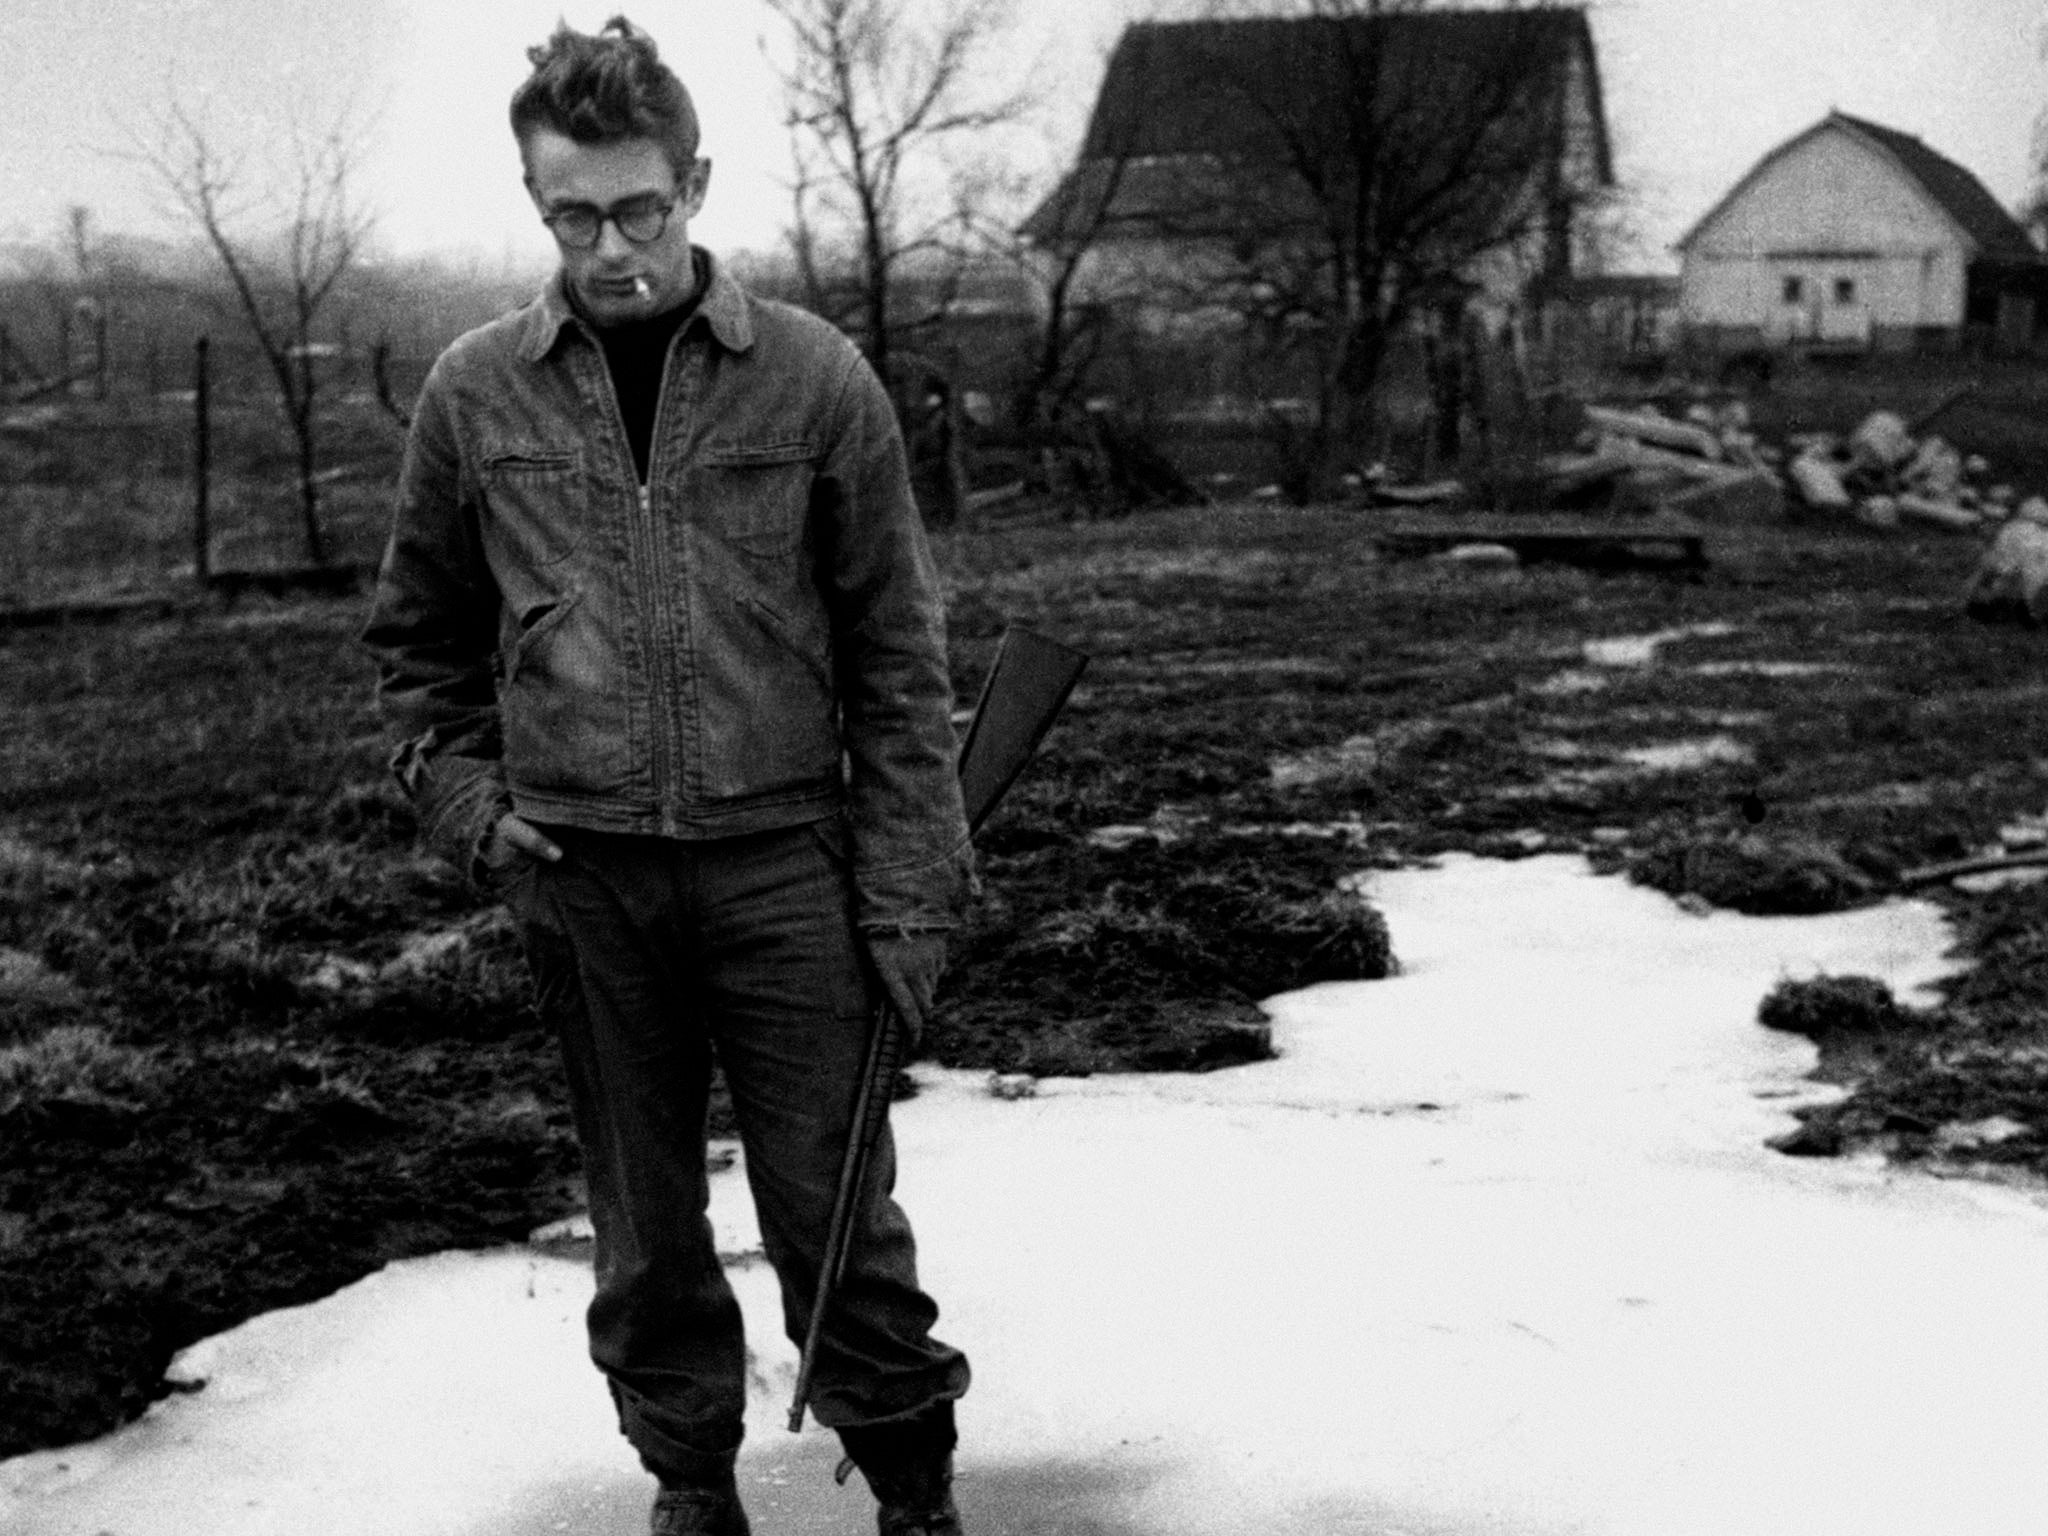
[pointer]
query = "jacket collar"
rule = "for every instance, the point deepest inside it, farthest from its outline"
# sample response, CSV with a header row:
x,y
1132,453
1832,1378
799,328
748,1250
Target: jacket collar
x,y
723,307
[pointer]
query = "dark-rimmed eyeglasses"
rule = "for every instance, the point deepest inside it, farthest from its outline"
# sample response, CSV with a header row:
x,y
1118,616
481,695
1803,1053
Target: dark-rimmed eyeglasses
x,y
580,225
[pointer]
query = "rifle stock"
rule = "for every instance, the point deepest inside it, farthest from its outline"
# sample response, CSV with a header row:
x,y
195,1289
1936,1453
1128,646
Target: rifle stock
x,y
1024,692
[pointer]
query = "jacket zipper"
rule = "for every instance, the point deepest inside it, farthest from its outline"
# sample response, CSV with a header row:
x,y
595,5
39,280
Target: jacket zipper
x,y
662,767
670,758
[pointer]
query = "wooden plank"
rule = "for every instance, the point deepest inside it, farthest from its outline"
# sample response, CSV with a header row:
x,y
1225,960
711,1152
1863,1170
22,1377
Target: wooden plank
x,y
1556,534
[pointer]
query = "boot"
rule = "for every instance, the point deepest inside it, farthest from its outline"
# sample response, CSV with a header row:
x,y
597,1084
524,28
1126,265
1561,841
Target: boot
x,y
916,1500
692,1511
909,1467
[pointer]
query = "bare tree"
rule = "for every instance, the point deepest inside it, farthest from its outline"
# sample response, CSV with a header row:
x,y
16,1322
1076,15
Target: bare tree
x,y
1055,246
876,92
309,233
2033,210
1356,161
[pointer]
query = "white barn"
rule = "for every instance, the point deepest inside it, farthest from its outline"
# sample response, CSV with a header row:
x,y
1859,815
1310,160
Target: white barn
x,y
1852,235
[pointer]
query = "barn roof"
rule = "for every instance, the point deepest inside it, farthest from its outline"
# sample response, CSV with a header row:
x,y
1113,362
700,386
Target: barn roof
x,y
1967,201
1961,195
1159,110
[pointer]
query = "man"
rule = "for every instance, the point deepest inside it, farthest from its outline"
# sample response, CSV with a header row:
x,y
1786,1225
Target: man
x,y
662,638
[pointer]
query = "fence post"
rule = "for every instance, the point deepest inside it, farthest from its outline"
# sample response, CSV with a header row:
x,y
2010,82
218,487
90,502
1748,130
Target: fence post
x,y
101,363
202,464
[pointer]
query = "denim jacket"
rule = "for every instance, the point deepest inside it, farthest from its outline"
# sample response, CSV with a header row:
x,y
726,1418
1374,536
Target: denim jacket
x,y
754,639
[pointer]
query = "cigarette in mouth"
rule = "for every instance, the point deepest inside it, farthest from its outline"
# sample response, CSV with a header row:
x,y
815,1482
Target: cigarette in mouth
x,y
640,288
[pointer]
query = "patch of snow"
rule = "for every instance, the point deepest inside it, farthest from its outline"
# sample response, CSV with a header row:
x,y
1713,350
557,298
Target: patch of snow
x,y
1493,1245
1239,666
1677,756
1571,681
339,973
1900,796
1623,651
1999,879
1482,555
1346,830
1769,668
1164,827
25,978
2029,831
1354,757
19,856
570,1229
418,952
1965,1135
1659,757
422,951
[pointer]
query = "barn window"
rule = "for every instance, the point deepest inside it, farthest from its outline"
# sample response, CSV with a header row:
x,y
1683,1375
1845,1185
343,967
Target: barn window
x,y
1845,290
1795,289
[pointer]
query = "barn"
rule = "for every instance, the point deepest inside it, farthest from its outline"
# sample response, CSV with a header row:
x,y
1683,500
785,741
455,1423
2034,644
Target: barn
x,y
1854,236
1211,136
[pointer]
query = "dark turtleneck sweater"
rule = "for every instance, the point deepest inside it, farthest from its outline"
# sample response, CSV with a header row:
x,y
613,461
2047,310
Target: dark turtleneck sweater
x,y
635,353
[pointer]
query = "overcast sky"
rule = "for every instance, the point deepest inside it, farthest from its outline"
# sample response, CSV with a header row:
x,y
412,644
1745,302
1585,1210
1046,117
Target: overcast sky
x,y
1696,91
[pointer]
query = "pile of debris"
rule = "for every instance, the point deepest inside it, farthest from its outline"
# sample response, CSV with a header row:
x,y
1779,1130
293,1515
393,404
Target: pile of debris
x,y
1628,459
1884,474
1887,473
1708,462
1708,465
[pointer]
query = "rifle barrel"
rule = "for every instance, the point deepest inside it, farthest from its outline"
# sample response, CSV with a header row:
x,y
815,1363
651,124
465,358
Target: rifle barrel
x,y
1025,690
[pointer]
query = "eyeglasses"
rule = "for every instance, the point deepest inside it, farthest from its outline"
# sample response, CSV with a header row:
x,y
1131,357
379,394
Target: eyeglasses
x,y
580,225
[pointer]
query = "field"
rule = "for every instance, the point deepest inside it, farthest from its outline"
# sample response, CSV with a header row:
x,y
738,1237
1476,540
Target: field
x,y
252,1046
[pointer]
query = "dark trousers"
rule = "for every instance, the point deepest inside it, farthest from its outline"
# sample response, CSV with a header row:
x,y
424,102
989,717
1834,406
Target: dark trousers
x,y
651,956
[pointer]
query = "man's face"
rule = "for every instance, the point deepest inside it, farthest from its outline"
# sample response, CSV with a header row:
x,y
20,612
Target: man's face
x,y
616,280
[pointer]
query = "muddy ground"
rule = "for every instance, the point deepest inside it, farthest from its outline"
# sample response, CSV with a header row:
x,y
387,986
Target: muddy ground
x,y
252,1046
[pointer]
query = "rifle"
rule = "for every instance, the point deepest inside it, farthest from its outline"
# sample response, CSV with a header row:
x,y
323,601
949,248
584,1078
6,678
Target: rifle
x,y
1023,693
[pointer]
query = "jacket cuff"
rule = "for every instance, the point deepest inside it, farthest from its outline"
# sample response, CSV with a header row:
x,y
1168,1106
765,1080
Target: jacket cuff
x,y
926,897
458,801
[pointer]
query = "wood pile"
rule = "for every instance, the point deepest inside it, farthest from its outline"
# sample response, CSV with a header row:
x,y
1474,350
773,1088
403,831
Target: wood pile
x,y
1707,464
1885,475
1888,473
1628,460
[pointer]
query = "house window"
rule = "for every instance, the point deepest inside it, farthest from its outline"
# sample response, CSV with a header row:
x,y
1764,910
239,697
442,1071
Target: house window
x,y
1795,289
1845,290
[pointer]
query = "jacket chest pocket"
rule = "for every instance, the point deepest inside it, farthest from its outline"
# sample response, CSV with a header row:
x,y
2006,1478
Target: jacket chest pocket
x,y
537,505
755,497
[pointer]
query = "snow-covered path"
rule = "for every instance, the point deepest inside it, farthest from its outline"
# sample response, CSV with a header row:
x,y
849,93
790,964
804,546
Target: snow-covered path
x,y
1493,1247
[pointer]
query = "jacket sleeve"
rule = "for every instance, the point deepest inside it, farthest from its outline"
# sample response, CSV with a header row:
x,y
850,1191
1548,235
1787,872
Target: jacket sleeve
x,y
912,865
433,630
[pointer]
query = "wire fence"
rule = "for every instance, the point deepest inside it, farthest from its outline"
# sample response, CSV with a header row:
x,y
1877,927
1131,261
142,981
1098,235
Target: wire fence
x,y
151,481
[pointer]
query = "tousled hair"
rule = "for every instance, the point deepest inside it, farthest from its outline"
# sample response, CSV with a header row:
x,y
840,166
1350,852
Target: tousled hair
x,y
603,88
